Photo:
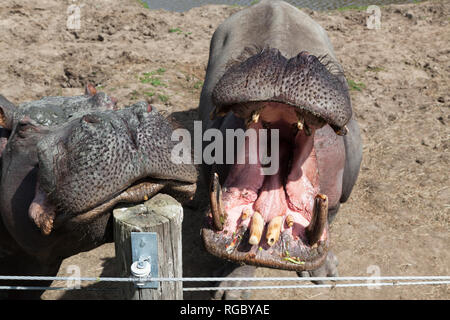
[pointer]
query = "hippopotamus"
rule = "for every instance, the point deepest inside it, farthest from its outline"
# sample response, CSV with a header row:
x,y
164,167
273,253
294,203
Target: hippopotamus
x,y
65,163
272,67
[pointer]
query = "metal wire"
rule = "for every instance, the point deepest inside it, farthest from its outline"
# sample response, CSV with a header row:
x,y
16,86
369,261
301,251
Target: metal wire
x,y
55,288
204,279
312,286
394,281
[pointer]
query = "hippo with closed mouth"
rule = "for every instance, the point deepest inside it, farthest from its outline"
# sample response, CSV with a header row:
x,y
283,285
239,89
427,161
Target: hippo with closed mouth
x,y
65,163
273,67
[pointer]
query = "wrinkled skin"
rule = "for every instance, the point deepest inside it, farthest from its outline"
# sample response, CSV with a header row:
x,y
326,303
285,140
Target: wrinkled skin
x,y
65,163
271,66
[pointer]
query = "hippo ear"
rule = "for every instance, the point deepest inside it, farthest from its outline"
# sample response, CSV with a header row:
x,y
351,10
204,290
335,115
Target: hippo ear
x,y
90,90
7,110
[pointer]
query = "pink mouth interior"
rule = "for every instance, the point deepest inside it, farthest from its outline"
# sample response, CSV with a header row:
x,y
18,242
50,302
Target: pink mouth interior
x,y
291,191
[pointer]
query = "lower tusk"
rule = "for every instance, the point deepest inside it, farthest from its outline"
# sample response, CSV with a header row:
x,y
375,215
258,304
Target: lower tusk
x,y
289,221
42,212
273,230
319,219
256,228
215,197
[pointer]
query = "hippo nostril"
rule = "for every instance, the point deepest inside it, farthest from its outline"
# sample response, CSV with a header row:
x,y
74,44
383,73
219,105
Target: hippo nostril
x,y
90,119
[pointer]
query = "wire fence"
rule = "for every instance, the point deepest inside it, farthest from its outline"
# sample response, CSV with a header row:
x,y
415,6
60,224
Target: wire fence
x,y
370,281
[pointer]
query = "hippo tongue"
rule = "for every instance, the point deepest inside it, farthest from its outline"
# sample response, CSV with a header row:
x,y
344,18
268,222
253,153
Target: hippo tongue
x,y
42,212
272,200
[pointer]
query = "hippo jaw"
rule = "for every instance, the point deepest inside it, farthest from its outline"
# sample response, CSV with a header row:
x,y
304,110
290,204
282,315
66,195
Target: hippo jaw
x,y
104,158
278,220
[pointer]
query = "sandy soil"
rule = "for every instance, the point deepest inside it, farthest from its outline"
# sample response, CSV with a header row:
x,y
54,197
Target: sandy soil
x,y
398,215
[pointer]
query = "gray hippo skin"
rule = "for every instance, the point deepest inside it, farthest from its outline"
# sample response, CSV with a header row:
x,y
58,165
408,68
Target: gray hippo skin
x,y
65,163
271,66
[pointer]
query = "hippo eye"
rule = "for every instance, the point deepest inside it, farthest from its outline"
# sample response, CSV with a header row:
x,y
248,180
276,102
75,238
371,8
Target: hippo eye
x,y
25,123
25,127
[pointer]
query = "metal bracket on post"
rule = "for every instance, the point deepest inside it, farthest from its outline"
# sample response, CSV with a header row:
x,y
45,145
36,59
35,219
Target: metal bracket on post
x,y
144,248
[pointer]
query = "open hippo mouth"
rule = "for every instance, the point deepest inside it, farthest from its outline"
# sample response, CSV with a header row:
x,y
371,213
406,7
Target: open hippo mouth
x,y
278,220
103,158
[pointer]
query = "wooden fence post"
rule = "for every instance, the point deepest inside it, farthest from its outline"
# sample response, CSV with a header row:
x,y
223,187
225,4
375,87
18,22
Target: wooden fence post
x,y
161,214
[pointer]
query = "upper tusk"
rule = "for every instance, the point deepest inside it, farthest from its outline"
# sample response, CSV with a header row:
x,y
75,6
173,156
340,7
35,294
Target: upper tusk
x,y
341,131
255,116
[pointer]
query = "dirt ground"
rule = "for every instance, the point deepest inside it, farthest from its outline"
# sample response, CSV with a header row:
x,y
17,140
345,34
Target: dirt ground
x,y
397,217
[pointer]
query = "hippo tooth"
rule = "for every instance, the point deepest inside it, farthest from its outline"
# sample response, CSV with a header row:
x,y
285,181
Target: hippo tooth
x,y
255,116
216,113
341,131
300,121
245,213
318,220
289,220
273,230
256,228
217,208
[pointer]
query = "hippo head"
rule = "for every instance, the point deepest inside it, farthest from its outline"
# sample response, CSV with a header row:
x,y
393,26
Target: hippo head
x,y
279,220
67,161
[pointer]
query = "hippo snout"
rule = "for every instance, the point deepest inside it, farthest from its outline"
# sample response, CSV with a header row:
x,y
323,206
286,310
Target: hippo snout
x,y
97,157
78,157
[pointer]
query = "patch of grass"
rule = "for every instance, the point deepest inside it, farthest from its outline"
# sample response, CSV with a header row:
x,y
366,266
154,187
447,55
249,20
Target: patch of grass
x,y
100,87
358,86
159,71
198,84
254,2
163,98
156,82
353,7
134,95
149,77
144,4
149,93
177,30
